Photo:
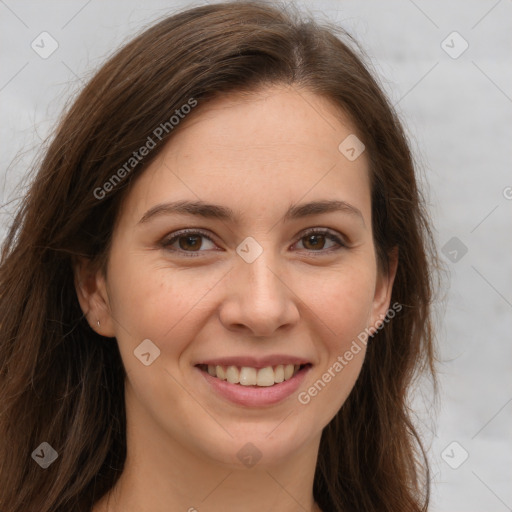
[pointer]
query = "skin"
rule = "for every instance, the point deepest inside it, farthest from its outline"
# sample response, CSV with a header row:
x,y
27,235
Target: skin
x,y
256,154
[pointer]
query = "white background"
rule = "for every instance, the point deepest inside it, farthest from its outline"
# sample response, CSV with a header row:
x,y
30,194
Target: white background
x,y
458,115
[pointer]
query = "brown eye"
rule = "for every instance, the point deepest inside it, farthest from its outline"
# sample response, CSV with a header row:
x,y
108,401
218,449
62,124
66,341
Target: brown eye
x,y
187,242
315,241
192,242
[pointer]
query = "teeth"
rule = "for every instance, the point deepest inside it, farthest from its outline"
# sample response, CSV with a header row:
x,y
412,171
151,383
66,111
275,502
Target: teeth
x,y
266,377
221,373
233,375
279,373
247,376
288,371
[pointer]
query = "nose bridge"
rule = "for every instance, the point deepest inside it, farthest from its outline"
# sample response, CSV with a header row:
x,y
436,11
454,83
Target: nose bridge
x,y
260,299
260,265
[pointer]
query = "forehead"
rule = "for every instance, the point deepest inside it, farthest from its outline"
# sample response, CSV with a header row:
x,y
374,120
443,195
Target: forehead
x,y
246,151
276,121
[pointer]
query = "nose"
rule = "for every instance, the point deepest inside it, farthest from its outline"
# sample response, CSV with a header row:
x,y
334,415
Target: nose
x,y
259,298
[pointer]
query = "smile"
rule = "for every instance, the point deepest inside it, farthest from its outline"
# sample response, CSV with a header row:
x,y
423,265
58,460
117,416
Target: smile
x,y
249,376
249,386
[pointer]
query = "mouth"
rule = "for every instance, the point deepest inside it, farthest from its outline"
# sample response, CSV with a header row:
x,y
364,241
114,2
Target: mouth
x,y
253,377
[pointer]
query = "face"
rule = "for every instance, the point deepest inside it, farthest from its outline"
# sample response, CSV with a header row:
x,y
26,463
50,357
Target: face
x,y
258,288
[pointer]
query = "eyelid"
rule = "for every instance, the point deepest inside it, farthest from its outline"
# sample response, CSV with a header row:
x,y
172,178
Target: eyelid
x,y
332,235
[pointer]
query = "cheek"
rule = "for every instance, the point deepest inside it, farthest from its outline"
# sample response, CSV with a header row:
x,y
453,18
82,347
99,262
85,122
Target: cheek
x,y
342,306
162,303
158,302
342,300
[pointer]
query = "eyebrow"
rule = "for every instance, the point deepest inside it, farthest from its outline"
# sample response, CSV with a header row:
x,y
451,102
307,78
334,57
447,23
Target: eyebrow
x,y
215,211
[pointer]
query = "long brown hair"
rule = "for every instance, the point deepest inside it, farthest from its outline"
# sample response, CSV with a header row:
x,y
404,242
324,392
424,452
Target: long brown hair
x,y
61,383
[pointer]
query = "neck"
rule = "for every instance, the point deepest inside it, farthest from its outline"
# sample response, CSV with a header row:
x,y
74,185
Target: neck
x,y
161,474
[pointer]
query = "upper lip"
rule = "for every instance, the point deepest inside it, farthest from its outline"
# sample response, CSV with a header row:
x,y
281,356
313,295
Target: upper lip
x,y
254,362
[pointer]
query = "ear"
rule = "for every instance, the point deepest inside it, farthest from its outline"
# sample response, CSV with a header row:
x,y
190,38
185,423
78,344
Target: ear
x,y
383,289
90,286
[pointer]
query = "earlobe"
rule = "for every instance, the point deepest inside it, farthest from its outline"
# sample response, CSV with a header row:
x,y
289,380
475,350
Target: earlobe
x,y
384,288
92,296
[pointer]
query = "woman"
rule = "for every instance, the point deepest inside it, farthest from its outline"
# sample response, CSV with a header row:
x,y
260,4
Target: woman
x,y
217,291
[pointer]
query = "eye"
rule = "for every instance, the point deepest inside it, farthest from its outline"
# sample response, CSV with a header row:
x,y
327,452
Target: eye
x,y
316,238
189,241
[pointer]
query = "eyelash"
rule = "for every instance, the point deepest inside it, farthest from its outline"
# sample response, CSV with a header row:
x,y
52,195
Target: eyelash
x,y
166,243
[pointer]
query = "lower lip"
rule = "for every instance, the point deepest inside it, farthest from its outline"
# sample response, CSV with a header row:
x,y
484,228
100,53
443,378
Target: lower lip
x,y
256,396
